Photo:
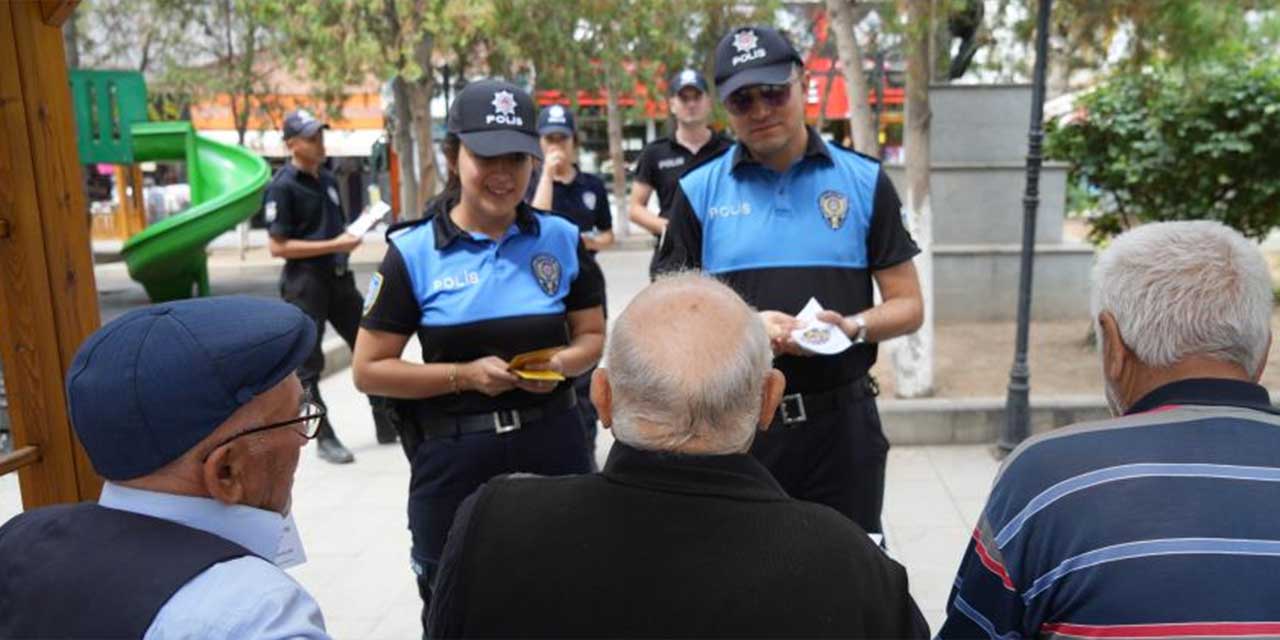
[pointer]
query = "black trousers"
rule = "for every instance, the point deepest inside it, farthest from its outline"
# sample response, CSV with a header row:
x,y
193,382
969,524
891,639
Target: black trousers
x,y
443,471
835,458
324,297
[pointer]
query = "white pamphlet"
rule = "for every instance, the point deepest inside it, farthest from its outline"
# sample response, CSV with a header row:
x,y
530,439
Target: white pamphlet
x,y
817,336
373,214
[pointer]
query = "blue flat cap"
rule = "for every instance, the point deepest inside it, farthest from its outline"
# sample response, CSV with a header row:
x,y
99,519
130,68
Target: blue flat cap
x,y
149,385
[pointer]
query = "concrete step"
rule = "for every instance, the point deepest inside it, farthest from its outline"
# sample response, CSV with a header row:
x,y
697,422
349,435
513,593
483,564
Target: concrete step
x,y
979,123
981,202
976,283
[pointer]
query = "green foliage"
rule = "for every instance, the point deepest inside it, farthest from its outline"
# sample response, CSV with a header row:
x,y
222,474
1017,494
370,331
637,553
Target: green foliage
x,y
1167,144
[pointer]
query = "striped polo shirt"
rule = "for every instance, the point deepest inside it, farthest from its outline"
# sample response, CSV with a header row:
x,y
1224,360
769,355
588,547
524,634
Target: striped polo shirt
x,y
1163,523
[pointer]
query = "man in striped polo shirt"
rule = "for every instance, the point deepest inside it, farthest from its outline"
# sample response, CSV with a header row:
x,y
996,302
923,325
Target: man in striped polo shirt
x,y
1164,521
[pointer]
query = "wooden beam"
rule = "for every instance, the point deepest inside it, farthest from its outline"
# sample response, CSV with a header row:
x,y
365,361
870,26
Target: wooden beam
x,y
48,300
55,12
18,459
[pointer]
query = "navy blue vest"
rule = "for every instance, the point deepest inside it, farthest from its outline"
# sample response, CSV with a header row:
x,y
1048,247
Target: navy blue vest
x,y
85,571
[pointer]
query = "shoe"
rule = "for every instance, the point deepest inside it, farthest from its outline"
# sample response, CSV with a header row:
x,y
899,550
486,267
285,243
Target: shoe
x,y
331,450
383,428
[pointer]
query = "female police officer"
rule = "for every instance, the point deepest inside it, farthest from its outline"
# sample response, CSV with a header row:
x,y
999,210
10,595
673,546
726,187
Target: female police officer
x,y
562,189
481,279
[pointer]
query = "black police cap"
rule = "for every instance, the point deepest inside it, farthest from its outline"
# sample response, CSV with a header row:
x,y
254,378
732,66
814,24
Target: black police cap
x,y
495,118
753,55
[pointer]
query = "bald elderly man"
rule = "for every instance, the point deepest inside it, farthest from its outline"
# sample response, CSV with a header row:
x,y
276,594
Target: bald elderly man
x,y
683,534
193,414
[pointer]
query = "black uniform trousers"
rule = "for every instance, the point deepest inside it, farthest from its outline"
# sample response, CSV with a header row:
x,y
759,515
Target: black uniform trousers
x,y
835,457
325,296
444,470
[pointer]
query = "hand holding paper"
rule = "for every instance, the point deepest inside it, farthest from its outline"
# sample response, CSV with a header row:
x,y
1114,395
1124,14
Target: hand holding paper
x,y
526,365
817,336
373,214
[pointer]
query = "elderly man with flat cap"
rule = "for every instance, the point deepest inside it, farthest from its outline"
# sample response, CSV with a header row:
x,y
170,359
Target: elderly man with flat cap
x,y
194,415
683,534
785,218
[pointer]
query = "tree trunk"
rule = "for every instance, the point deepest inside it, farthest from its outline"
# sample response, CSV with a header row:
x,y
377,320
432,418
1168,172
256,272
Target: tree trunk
x,y
71,42
402,142
913,357
940,62
861,126
421,99
614,112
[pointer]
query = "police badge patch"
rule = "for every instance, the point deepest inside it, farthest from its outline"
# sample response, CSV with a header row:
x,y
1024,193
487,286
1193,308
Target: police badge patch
x,y
333,195
375,287
270,212
546,269
834,207
589,200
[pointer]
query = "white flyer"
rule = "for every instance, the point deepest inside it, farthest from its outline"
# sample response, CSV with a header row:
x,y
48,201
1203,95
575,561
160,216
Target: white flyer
x,y
817,336
373,214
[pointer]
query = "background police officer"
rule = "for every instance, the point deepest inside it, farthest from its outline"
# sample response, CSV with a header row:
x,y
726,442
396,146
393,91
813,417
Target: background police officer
x,y
783,216
308,229
482,279
563,189
664,160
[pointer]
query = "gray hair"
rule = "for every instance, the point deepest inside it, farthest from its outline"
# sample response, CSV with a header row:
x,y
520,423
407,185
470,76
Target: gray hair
x,y
707,390
1180,289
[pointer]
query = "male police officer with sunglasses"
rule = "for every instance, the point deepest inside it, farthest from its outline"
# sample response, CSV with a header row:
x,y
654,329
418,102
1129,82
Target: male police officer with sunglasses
x,y
783,216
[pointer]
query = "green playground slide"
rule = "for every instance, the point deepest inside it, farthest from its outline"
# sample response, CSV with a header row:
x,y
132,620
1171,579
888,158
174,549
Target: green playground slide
x,y
168,258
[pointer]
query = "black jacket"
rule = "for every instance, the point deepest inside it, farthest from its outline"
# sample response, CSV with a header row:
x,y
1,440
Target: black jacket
x,y
661,545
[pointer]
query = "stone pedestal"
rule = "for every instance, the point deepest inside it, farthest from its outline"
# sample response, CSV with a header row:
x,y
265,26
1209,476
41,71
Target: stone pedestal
x,y
978,173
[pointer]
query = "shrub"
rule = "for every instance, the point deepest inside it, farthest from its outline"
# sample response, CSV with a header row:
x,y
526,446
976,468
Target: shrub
x,y
1170,145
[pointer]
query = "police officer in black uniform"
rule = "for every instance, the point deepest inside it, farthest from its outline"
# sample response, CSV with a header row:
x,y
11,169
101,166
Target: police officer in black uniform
x,y
482,279
307,228
783,216
563,189
663,161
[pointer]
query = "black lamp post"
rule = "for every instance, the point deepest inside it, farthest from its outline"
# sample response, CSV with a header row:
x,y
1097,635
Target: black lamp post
x,y
1017,406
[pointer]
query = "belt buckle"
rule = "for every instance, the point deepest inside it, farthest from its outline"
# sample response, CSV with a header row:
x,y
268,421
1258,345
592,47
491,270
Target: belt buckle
x,y
499,426
790,416
339,271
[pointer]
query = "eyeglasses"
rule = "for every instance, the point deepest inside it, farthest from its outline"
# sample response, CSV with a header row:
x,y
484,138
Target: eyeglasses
x,y
307,424
740,102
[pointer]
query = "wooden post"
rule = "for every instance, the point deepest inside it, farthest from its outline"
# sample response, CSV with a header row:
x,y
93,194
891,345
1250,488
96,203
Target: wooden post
x,y
48,300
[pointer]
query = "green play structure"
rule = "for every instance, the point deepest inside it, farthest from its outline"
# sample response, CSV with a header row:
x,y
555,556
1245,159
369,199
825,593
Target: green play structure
x,y
168,258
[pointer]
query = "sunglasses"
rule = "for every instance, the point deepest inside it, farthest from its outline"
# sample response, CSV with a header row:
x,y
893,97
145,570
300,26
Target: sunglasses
x,y
307,424
740,102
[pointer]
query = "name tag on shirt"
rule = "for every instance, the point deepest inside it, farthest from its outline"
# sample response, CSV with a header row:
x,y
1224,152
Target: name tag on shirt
x,y
290,552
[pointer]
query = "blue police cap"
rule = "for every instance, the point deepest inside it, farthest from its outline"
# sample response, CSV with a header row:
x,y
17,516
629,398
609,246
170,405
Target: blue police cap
x,y
149,385
301,123
555,119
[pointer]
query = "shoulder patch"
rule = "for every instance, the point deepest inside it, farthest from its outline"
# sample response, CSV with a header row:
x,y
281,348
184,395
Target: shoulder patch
x,y
269,212
371,297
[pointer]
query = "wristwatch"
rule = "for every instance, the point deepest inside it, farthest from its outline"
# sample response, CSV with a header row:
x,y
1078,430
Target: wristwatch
x,y
861,335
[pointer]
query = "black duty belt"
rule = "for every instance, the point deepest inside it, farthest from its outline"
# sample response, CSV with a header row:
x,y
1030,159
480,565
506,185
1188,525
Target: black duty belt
x,y
502,421
334,270
796,408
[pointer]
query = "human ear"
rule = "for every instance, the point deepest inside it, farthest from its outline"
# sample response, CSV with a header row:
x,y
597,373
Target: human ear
x,y
1114,351
222,473
771,394
602,396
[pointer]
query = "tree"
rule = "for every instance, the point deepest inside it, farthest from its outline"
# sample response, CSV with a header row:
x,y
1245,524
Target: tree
x,y
1088,37
844,17
340,44
1166,144
913,358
